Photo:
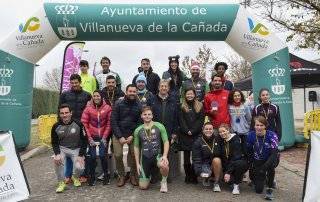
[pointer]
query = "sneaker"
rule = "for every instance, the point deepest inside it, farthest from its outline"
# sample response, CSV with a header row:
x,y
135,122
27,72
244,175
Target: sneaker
x,y
206,182
100,177
216,187
121,181
236,190
133,180
164,187
269,194
91,182
76,181
83,179
68,180
61,187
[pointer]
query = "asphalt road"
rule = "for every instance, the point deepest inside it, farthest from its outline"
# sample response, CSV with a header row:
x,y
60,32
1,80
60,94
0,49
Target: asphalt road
x,y
42,181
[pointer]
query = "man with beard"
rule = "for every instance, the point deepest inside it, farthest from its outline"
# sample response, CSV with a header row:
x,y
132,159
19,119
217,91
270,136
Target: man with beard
x,y
125,118
199,84
152,78
145,97
111,93
101,77
216,103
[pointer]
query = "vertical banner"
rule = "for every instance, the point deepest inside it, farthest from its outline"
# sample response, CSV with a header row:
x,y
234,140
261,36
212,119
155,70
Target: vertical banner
x,y
16,80
312,193
13,183
273,72
71,61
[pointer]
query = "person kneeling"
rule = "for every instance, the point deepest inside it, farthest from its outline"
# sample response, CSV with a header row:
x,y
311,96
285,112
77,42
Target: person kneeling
x,y
206,157
68,140
234,161
263,156
148,139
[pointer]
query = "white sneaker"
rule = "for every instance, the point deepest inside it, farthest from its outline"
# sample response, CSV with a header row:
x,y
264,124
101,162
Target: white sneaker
x,y
101,177
164,187
216,187
236,190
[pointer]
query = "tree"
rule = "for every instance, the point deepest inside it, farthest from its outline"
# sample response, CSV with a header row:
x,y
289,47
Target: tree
x,y
52,80
205,59
239,68
300,17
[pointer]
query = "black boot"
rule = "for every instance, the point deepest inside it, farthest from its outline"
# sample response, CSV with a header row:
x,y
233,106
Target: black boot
x,y
187,171
193,176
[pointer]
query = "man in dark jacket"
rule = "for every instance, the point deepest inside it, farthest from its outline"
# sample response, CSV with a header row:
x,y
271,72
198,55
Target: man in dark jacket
x,y
145,97
76,97
152,78
111,93
221,68
165,111
125,118
68,139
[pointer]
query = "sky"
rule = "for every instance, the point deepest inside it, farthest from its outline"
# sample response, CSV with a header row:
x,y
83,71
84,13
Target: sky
x,y
125,56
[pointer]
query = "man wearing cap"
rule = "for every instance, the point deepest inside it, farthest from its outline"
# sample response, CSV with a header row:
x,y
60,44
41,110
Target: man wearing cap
x,y
199,84
221,68
88,82
175,77
144,96
152,78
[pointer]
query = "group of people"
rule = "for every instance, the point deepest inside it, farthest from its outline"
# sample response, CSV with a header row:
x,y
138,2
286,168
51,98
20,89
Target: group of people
x,y
222,135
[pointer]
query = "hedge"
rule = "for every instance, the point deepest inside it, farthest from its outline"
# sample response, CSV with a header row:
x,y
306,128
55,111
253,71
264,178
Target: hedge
x,y
44,102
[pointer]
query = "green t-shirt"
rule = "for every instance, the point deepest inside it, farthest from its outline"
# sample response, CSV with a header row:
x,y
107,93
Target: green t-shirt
x,y
149,141
88,83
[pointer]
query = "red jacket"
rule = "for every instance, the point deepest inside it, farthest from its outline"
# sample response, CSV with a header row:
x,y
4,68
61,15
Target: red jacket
x,y
219,99
97,120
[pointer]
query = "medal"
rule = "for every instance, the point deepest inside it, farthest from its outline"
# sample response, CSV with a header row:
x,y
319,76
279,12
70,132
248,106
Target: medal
x,y
143,99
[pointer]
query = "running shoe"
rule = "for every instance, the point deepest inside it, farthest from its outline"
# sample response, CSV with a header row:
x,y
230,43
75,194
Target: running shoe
x,y
216,187
61,187
269,194
236,190
164,187
76,181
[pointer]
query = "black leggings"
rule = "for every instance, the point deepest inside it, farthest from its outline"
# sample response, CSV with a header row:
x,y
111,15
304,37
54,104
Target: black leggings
x,y
260,177
102,156
186,157
239,168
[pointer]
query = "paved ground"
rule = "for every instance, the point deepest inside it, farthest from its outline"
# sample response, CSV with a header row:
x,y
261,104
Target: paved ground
x,y
42,181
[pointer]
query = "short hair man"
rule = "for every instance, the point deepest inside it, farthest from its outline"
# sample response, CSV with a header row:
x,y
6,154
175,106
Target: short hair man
x,y
221,68
68,139
105,63
148,141
111,93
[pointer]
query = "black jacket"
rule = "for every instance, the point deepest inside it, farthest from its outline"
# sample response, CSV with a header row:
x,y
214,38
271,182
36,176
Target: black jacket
x,y
55,140
189,121
166,112
152,81
77,101
125,117
146,98
202,154
111,98
231,151
273,113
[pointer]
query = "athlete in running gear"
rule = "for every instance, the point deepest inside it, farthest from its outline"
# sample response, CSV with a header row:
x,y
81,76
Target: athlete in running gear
x,y
148,139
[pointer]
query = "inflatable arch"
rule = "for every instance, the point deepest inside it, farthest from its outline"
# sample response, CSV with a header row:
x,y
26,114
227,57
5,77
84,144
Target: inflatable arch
x,y
138,22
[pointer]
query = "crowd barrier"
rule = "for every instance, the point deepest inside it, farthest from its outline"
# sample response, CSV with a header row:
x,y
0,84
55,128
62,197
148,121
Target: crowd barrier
x,y
311,122
45,123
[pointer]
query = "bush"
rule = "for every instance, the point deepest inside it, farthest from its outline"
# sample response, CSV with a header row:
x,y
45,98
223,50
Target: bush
x,y
44,102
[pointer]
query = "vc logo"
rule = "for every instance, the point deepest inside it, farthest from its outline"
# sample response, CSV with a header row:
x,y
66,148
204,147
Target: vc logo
x,y
258,28
2,157
31,25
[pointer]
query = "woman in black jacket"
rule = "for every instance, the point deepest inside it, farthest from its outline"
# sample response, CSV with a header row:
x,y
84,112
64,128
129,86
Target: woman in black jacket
x,y
191,118
206,156
233,158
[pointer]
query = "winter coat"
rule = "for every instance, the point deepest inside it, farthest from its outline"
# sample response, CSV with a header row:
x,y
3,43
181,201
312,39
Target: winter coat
x,y
111,98
97,120
189,121
146,98
77,101
175,86
218,98
231,151
125,117
152,81
202,154
166,112
101,79
201,87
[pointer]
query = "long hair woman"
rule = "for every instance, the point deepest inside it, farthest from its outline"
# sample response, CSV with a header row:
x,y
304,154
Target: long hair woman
x,y
191,120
